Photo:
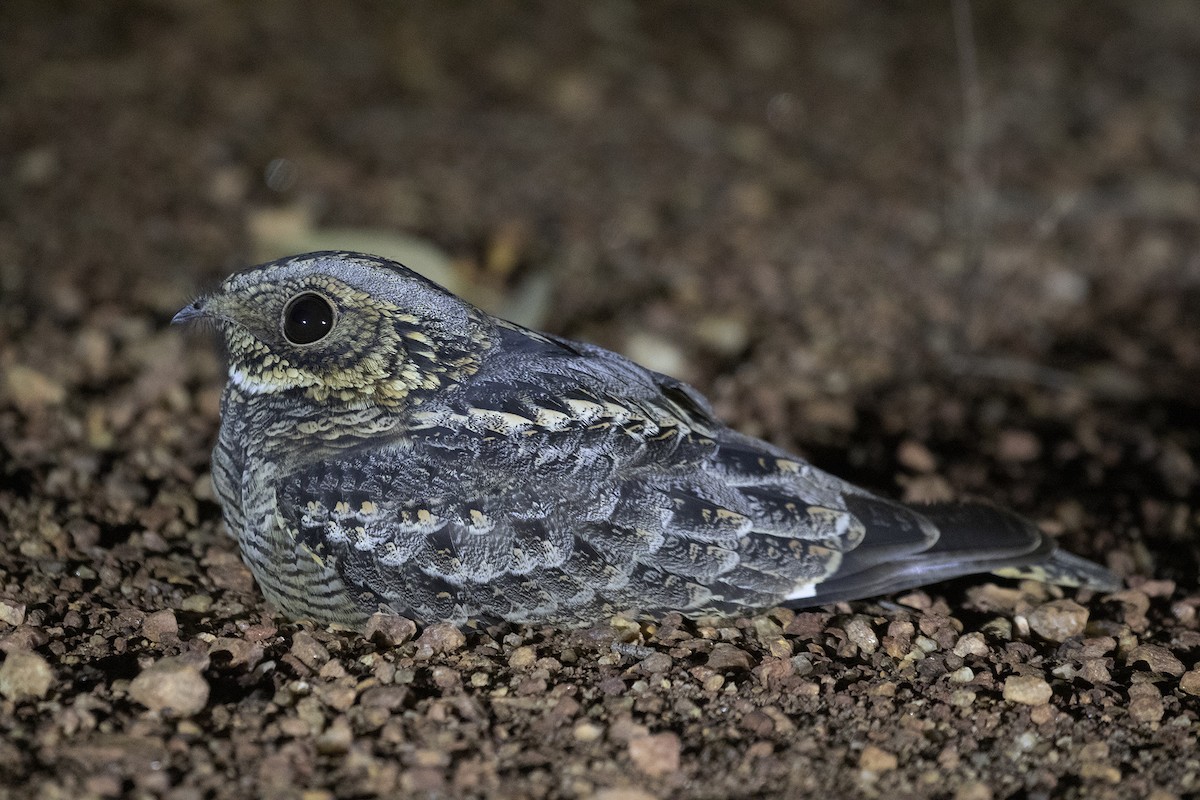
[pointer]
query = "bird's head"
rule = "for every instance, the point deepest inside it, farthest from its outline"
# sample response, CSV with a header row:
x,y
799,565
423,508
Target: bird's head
x,y
338,326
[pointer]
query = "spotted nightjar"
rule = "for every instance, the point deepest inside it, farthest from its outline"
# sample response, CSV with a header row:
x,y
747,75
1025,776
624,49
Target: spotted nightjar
x,y
385,445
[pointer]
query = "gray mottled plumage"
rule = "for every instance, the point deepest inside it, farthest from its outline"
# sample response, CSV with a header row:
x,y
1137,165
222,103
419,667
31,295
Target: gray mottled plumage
x,y
425,458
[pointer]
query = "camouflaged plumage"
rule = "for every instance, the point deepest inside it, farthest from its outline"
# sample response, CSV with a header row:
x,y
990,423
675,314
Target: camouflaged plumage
x,y
427,459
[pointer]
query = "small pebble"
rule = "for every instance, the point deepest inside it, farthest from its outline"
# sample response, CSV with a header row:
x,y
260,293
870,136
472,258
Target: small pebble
x,y
1158,658
1097,770
1157,588
1018,446
1028,690
623,794
336,739
1058,620
1043,714
725,656
1190,682
1145,703
197,603
727,334
859,631
172,684
12,613
587,732
876,759
442,638
656,663
1136,604
389,698
241,652
160,625
916,456
308,650
1161,794
962,675
31,390
389,630
971,644
657,353
430,757
1095,671
522,658
623,729
975,790
656,754
780,647
25,674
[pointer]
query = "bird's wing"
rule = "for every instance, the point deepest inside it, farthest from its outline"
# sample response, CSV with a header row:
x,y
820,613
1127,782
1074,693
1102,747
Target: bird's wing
x,y
569,484
469,517
572,487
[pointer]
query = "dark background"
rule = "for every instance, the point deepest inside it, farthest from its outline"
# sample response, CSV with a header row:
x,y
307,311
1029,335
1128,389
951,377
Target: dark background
x,y
942,249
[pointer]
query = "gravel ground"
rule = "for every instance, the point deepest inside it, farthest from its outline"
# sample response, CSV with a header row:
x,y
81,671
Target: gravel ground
x,y
937,274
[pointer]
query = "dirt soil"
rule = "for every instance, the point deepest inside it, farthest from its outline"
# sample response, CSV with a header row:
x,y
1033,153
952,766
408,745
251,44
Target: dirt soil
x,y
938,270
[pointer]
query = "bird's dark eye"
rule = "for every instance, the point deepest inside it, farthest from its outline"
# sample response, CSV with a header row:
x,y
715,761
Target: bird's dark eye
x,y
307,318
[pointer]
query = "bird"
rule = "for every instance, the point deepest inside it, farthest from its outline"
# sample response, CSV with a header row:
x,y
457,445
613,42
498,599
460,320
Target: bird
x,y
385,446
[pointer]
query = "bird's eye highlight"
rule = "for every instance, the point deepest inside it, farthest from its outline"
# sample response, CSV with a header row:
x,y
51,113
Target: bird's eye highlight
x,y
307,318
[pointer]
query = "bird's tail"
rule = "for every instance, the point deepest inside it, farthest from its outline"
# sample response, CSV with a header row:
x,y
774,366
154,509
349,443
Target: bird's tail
x,y
1066,569
977,531
909,546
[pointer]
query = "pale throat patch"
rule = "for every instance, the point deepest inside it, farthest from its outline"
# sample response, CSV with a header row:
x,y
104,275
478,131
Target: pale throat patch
x,y
247,384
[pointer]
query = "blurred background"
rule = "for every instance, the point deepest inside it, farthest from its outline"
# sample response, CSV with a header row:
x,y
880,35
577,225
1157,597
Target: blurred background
x,y
882,233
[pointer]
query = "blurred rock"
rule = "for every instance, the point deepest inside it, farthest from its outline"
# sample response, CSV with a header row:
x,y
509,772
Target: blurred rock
x,y
876,759
30,390
916,456
1028,690
12,613
726,334
656,754
25,675
623,794
171,684
1145,703
522,658
1018,446
159,625
657,353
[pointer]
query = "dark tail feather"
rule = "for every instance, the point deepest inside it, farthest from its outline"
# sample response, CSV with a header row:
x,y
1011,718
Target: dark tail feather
x,y
955,540
1066,569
